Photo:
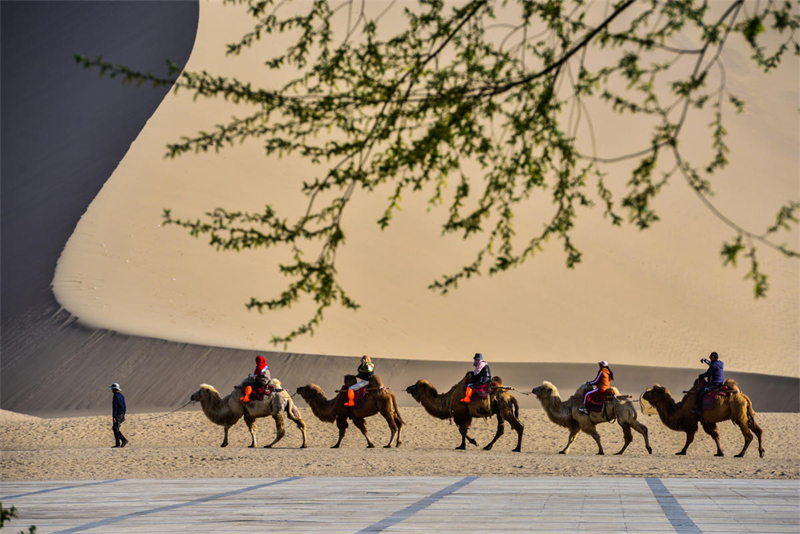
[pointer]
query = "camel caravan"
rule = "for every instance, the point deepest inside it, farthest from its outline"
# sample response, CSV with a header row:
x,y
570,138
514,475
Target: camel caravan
x,y
479,395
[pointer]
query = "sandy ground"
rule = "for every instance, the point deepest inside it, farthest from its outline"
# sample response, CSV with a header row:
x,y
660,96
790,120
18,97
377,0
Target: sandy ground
x,y
186,445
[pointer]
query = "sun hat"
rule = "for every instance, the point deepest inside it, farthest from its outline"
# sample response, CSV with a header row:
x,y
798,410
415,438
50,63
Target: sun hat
x,y
603,363
114,386
478,356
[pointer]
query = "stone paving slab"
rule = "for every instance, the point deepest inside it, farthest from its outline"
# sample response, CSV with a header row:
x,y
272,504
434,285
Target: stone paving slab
x,y
407,504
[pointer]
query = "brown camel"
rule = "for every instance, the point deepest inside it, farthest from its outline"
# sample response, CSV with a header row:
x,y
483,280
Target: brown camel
x,y
379,400
228,410
736,407
567,414
449,406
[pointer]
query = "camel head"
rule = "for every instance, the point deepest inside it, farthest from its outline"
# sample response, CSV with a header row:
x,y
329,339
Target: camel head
x,y
203,392
545,390
309,391
656,393
418,387
349,380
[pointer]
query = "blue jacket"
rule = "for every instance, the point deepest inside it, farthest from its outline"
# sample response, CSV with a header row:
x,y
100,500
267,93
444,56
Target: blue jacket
x,y
715,376
117,405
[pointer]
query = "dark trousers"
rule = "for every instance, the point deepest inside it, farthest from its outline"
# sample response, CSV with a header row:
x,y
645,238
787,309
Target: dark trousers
x,y
118,437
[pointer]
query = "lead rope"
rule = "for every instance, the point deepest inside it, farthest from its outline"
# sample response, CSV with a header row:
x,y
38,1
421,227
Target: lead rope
x,y
162,415
510,388
173,411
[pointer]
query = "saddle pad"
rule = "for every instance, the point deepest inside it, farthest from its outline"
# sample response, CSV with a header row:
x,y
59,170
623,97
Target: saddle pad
x,y
710,397
359,396
259,393
482,392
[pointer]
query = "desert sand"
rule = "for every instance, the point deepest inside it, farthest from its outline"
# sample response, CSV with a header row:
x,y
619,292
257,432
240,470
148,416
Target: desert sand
x,y
186,445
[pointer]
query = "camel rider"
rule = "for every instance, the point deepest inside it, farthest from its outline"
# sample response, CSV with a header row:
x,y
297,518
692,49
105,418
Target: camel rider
x,y
258,378
480,375
715,377
365,372
601,383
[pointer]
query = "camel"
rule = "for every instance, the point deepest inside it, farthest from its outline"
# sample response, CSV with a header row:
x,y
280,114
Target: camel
x,y
381,401
449,406
736,407
567,414
226,411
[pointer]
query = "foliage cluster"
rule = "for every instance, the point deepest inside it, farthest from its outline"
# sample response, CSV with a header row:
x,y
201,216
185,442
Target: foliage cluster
x,y
481,115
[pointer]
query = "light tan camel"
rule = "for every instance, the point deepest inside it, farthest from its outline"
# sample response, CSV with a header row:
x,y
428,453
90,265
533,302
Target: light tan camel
x,y
379,400
736,407
567,414
449,406
228,410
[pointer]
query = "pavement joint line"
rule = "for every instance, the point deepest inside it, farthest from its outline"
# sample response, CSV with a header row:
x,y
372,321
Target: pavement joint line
x,y
120,518
672,509
418,506
18,495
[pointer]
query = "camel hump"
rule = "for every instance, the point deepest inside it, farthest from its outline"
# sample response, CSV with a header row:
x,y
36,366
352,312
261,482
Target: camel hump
x,y
375,382
732,385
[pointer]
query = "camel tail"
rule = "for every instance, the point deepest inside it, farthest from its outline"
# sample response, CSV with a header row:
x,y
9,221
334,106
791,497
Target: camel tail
x,y
397,410
751,414
515,407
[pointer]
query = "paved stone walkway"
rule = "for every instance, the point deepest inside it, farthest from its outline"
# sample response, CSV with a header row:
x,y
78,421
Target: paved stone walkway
x,y
406,504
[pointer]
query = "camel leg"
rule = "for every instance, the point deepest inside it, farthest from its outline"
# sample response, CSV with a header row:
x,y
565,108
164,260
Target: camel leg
x,y
501,428
757,431
299,422
596,437
573,432
711,430
748,436
463,421
463,428
225,439
361,424
251,426
641,429
689,440
399,423
627,435
517,425
280,430
388,414
341,422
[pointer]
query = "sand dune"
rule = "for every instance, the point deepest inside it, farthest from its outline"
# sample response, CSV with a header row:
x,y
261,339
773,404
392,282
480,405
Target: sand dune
x,y
162,313
654,298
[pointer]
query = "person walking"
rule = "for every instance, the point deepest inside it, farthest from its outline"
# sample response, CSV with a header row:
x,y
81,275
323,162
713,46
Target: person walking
x,y
118,414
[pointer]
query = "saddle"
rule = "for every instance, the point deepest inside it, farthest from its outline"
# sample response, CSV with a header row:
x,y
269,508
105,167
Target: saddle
x,y
259,392
482,392
360,395
711,396
595,401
